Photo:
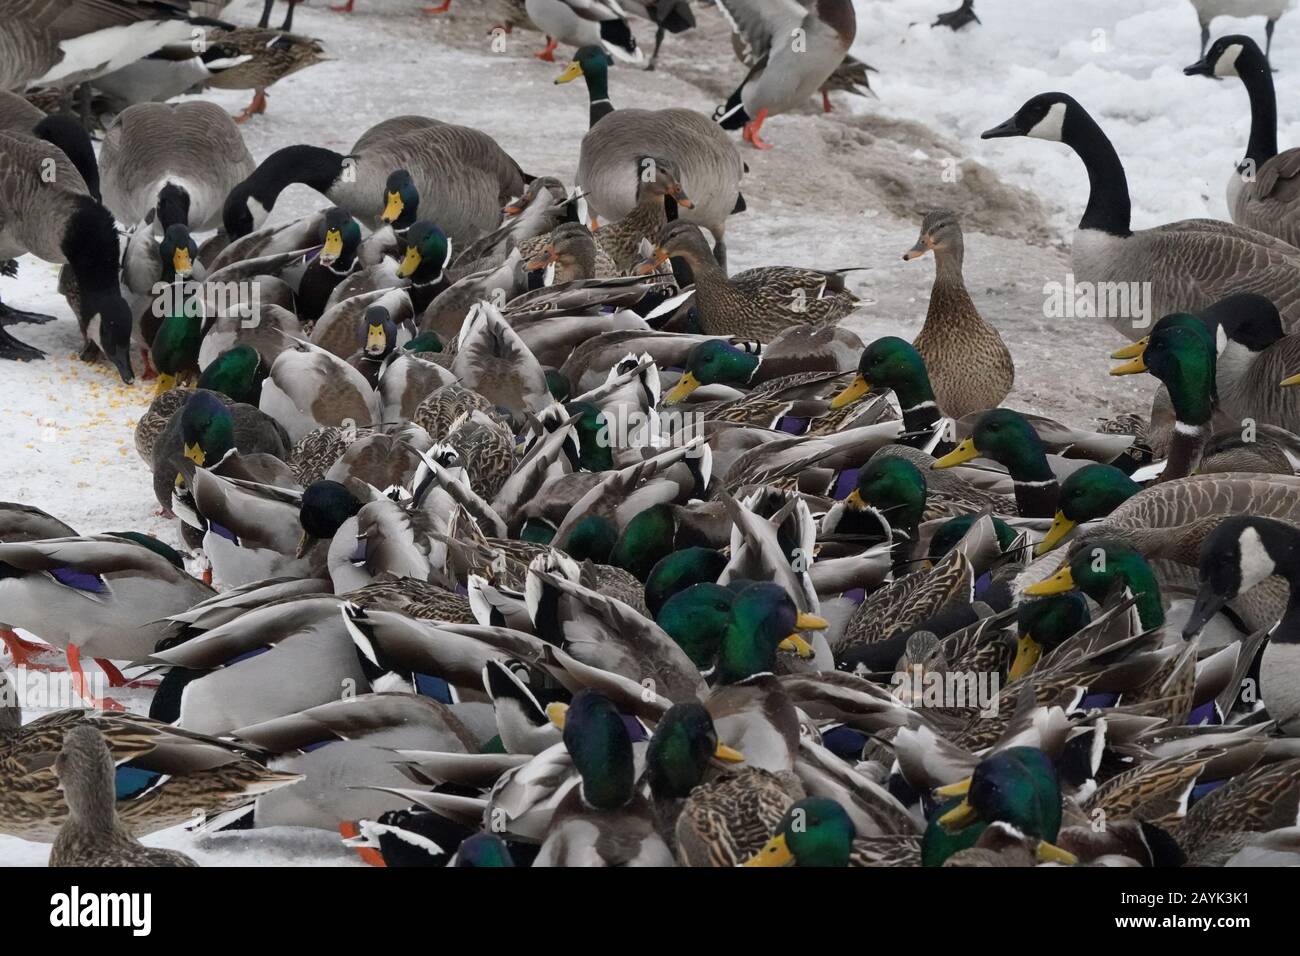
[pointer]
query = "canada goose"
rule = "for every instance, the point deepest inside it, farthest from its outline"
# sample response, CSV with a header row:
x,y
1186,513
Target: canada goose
x,y
1254,356
93,835
265,20
1184,266
956,19
582,23
795,50
1264,188
969,364
1207,10
66,42
668,16
172,163
617,145
57,220
462,175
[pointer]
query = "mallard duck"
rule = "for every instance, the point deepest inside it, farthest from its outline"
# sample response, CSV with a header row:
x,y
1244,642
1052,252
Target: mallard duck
x,y
1261,800
891,363
55,218
584,23
340,239
49,586
463,177
707,164
784,75
167,775
208,442
308,387
818,832
492,360
1122,564
254,58
176,160
1186,266
1010,440
93,835
570,253
955,341
757,303
1238,554
851,76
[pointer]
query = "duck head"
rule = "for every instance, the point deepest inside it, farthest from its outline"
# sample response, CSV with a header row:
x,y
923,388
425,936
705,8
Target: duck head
x,y
683,748
716,362
893,486
1091,492
1043,625
601,749
815,832
889,363
1100,567
340,237
401,200
764,619
428,251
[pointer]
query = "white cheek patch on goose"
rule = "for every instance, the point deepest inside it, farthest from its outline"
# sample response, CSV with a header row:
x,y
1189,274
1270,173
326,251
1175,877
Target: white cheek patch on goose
x,y
1226,65
1050,126
1220,340
1256,565
257,211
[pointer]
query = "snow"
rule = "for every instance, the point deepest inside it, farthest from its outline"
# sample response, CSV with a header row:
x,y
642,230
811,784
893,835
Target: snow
x,y
841,190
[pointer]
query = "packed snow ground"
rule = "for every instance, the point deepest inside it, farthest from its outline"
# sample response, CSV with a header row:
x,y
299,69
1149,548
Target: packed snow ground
x,y
840,190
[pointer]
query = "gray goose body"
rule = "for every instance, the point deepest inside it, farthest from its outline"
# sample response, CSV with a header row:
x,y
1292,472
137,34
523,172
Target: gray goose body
x,y
1248,384
16,114
195,146
1183,266
463,176
785,76
33,212
68,41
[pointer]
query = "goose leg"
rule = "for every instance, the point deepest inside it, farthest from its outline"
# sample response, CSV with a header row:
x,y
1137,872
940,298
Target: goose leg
x,y
659,39
265,21
81,685
22,653
720,250
549,53
288,17
1268,40
12,349
441,8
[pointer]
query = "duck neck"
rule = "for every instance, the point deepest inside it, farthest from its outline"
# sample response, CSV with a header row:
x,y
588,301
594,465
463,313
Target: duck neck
x,y
598,102
948,268
1109,207
1185,447
1036,488
1258,79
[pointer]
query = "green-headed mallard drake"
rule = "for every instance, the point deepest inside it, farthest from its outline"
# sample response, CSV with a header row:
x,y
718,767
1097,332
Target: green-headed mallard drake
x,y
614,151
1009,439
604,821
1180,352
757,303
891,363
1097,575
1092,492
1045,624
93,835
969,365
209,441
169,774
784,74
791,360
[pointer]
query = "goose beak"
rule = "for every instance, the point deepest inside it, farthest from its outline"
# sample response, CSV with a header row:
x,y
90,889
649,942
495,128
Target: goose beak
x,y
1288,382
1132,350
1207,605
1058,583
1061,526
852,393
1135,367
856,501
1199,68
963,453
410,263
571,73
651,265
1002,130
393,209
195,454
557,714
1028,651
728,755
774,853
332,249
685,385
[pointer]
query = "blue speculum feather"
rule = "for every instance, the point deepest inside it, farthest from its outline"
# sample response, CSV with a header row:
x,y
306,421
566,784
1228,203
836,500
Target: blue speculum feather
x,y
131,781
223,531
434,687
845,482
81,580
792,425
249,654
1205,714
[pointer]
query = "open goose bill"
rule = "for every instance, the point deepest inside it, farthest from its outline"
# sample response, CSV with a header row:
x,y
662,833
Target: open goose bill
x,y
571,73
1061,526
410,263
1058,583
855,390
685,385
774,853
963,453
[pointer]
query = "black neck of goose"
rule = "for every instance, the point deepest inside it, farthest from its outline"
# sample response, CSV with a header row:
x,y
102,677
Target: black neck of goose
x,y
312,166
1283,547
1109,207
90,246
1287,630
598,96
1258,79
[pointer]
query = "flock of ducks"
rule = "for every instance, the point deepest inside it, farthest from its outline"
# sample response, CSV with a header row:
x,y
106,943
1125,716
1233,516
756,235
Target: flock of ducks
x,y
520,531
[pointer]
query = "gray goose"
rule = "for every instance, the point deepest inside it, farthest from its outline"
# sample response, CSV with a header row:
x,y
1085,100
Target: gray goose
x,y
1271,10
58,219
463,177
785,73
172,163
1180,267
618,143
93,834
1264,188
